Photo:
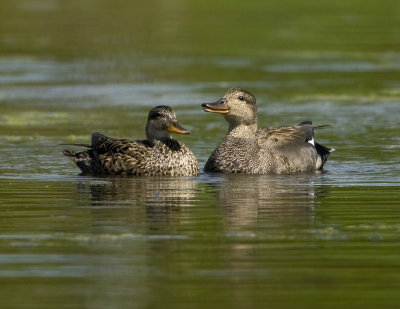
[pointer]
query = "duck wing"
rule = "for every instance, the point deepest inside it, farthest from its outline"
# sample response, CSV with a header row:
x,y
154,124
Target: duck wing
x,y
103,144
107,155
119,156
296,135
290,148
296,143
322,151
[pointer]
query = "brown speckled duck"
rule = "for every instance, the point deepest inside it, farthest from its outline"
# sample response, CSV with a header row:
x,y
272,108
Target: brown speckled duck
x,y
249,150
158,155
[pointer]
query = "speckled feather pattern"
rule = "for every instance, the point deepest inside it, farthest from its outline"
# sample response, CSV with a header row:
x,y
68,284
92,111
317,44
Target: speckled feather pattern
x,y
269,151
163,157
249,150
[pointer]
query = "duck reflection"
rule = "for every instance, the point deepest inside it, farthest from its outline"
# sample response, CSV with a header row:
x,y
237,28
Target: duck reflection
x,y
236,234
162,191
264,216
139,205
275,199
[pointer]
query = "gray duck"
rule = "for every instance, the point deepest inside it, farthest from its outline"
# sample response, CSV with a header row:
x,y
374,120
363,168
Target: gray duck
x,y
250,150
158,155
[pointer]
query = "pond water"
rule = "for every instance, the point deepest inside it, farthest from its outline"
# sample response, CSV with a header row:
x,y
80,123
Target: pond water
x,y
327,240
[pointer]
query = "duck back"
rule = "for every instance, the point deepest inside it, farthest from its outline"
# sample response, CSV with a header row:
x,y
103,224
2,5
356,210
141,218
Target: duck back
x,y
284,150
164,157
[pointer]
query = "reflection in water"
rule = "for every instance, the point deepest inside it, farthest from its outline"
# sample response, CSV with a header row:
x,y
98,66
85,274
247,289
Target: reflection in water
x,y
140,221
155,202
245,200
261,214
152,191
276,199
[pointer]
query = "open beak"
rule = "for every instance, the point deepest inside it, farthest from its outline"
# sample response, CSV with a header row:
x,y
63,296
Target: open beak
x,y
219,107
176,128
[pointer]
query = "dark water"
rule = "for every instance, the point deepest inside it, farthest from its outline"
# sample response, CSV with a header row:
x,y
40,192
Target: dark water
x,y
327,240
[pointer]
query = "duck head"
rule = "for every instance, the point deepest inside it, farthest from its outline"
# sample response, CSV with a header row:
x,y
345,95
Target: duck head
x,y
238,107
161,122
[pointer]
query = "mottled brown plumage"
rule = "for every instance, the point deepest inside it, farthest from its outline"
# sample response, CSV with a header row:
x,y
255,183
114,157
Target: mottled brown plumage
x,y
247,149
158,155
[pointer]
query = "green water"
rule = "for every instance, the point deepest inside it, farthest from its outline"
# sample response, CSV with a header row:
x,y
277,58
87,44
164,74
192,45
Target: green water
x,y
69,68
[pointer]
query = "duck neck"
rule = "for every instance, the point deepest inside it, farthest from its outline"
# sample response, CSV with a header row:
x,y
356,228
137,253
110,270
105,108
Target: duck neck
x,y
242,130
154,134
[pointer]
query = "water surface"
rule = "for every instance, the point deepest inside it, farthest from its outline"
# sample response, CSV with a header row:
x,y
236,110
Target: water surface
x,y
223,241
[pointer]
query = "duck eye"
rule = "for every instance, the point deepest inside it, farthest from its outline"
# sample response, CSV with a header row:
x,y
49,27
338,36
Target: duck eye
x,y
155,115
241,98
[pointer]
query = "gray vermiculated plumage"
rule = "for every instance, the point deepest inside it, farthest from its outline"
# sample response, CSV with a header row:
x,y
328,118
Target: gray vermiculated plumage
x,y
247,149
158,155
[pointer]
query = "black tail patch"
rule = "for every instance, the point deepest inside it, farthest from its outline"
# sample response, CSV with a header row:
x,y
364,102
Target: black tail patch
x,y
323,152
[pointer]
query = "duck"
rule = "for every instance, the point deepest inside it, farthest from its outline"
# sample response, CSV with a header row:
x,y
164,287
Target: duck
x,y
248,149
158,155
